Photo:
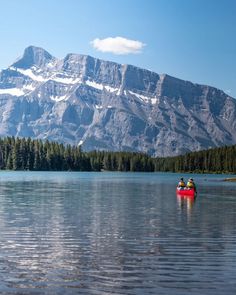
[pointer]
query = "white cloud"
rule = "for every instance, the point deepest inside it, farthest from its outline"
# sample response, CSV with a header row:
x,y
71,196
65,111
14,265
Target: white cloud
x,y
117,45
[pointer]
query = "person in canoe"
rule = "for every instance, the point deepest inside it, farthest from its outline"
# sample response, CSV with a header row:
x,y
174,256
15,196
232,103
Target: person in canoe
x,y
191,184
181,184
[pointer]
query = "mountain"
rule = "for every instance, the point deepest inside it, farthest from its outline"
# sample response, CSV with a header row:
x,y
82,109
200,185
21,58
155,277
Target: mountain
x,y
105,105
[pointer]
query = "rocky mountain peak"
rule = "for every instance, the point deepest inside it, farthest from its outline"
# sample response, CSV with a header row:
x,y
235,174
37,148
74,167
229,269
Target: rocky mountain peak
x,y
33,56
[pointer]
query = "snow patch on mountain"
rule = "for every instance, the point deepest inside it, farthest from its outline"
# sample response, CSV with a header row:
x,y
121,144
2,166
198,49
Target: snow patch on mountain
x,y
98,107
29,73
94,85
58,97
111,89
12,91
144,98
64,80
101,87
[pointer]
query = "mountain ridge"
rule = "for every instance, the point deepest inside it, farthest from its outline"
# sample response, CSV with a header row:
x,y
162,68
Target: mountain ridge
x,y
105,105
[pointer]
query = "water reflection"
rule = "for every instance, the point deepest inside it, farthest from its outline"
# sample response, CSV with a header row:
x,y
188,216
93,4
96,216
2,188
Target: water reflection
x,y
114,234
186,203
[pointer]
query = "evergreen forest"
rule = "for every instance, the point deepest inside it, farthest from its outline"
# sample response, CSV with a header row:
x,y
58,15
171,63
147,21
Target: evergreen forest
x,y
37,155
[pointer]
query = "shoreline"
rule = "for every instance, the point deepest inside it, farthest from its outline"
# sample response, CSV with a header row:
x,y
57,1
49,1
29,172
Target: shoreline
x,y
232,179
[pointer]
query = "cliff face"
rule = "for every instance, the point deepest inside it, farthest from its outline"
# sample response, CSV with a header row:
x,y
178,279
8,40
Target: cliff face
x,y
104,105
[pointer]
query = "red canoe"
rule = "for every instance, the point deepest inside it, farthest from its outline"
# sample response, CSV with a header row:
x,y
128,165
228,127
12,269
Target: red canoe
x,y
185,192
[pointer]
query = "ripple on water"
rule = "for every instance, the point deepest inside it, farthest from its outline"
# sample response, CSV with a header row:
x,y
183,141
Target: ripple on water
x,y
117,235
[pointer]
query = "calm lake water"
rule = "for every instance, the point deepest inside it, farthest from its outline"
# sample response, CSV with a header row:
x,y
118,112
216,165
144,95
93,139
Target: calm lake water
x,y
115,233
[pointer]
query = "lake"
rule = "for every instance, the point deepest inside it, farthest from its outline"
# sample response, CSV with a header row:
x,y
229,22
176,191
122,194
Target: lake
x,y
115,233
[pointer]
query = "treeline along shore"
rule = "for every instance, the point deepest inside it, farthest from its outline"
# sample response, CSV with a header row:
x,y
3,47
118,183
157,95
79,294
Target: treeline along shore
x,y
37,155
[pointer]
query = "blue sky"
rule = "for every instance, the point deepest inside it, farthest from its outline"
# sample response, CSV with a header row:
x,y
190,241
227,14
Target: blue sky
x,y
190,39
